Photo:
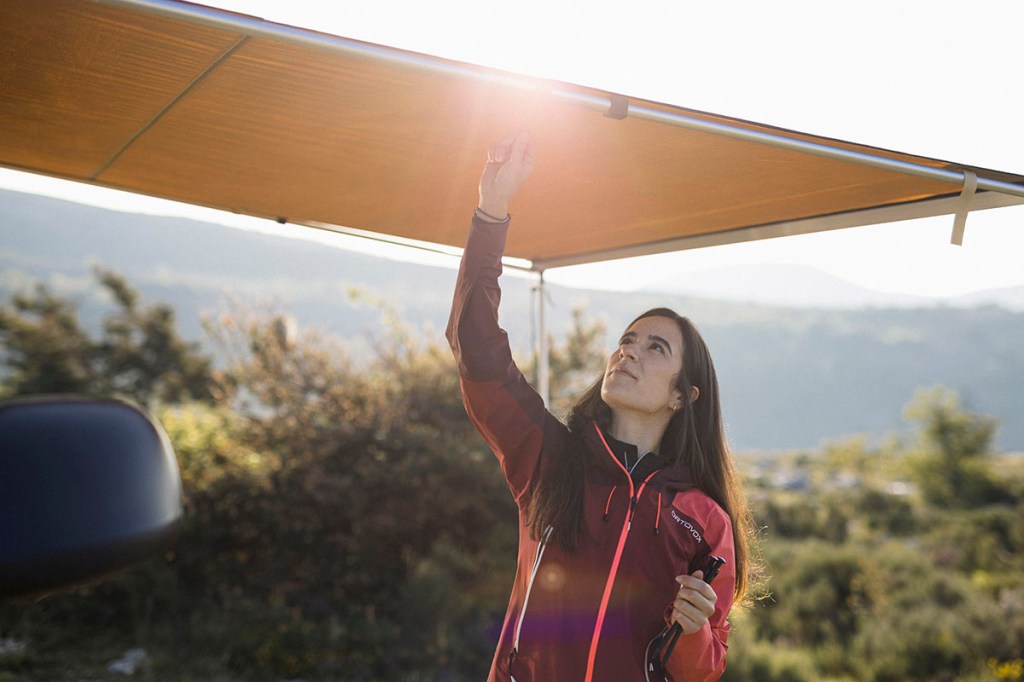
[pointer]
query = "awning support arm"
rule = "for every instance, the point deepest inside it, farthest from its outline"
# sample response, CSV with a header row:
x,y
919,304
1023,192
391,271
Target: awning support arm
x,y
210,68
962,209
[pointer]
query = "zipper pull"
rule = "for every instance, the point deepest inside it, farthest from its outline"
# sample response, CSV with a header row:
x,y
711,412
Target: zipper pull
x,y
632,511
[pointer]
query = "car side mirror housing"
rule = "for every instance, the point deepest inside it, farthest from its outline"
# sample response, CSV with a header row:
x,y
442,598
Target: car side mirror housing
x,y
87,486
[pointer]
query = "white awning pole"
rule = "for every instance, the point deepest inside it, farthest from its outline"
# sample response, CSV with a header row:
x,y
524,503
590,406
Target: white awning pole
x,y
543,358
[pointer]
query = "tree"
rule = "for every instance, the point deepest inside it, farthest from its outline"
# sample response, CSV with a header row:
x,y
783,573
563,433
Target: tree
x,y
378,515
139,354
574,364
950,463
381,518
43,348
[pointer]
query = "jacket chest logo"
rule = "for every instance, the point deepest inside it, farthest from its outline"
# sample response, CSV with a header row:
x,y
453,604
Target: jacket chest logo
x,y
688,525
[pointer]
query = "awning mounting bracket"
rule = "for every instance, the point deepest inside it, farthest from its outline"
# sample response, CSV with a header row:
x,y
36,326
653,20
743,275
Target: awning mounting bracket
x,y
964,207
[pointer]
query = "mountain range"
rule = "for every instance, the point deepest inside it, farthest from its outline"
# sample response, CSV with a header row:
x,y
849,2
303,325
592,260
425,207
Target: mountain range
x,y
805,286
791,376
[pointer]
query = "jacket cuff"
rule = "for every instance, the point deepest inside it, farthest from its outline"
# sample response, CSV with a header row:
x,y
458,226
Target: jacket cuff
x,y
697,656
487,238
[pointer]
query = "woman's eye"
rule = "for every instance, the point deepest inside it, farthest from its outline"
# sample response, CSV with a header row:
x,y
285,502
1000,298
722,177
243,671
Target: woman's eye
x,y
658,347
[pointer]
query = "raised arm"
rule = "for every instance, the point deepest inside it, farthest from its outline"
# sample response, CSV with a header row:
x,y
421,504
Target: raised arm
x,y
504,407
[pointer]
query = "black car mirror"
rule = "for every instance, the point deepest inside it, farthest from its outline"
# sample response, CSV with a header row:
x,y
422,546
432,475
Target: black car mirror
x,y
86,486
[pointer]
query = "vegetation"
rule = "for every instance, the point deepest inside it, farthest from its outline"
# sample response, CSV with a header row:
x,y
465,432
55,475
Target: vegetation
x,y
139,356
345,522
878,573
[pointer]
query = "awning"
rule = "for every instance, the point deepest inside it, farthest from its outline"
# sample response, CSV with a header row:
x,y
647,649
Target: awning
x,y
184,102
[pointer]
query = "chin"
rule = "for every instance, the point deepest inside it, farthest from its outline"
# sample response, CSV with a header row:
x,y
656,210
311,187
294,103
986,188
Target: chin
x,y
612,399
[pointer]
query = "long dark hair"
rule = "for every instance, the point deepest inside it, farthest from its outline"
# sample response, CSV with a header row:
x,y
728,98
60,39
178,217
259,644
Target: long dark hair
x,y
694,435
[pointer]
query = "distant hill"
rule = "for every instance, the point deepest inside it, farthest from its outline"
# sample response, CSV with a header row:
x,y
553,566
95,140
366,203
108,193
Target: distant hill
x,y
808,287
790,377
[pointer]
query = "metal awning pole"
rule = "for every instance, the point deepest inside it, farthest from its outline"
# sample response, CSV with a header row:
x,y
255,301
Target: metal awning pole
x,y
543,357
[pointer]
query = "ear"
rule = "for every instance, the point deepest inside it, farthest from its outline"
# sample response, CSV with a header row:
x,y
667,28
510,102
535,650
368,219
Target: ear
x,y
677,399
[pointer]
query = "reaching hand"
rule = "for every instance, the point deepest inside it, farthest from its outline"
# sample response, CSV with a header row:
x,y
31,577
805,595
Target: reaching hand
x,y
509,163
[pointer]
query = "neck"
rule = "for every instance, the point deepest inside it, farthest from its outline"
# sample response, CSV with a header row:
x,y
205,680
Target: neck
x,y
643,431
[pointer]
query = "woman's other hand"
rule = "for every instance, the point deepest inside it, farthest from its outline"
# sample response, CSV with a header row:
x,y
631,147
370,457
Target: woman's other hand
x,y
694,604
509,163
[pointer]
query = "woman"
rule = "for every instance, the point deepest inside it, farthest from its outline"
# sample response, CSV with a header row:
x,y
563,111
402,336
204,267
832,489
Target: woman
x,y
620,508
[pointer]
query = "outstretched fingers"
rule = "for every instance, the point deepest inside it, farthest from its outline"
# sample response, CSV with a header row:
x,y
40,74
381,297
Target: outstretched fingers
x,y
509,163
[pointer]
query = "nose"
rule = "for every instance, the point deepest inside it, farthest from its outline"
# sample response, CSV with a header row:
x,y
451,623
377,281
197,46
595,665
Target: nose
x,y
627,351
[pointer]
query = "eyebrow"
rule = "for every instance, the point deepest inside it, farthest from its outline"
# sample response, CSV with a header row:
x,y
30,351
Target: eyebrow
x,y
661,340
655,337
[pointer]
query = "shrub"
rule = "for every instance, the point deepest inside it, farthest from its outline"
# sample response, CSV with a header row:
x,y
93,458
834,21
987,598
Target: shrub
x,y
814,594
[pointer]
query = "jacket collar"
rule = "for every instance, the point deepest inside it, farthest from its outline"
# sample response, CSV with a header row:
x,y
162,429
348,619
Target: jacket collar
x,y
671,474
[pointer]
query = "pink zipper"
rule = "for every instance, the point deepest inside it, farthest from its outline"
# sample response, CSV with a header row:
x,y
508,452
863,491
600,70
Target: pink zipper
x,y
633,502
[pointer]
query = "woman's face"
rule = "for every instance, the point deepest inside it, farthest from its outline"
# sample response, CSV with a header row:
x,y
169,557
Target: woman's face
x,y
642,371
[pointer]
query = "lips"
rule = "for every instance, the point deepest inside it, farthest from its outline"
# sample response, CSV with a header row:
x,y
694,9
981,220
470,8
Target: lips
x,y
620,370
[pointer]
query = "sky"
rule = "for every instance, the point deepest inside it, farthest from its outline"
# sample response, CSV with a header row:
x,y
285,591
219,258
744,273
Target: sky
x,y
932,78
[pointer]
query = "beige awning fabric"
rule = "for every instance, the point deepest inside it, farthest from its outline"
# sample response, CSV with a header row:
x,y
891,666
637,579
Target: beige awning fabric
x,y
185,102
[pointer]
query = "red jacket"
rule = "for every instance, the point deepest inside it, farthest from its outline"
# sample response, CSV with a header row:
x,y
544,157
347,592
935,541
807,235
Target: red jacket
x,y
587,616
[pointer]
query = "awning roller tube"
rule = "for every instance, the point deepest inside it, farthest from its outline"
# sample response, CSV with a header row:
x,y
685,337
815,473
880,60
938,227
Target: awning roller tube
x,y
606,103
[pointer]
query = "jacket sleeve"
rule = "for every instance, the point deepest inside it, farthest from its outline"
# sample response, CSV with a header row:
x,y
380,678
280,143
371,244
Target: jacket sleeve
x,y
506,410
701,655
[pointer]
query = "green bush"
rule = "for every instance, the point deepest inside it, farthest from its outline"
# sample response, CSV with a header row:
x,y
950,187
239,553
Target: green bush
x,y
988,540
891,515
814,594
753,660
